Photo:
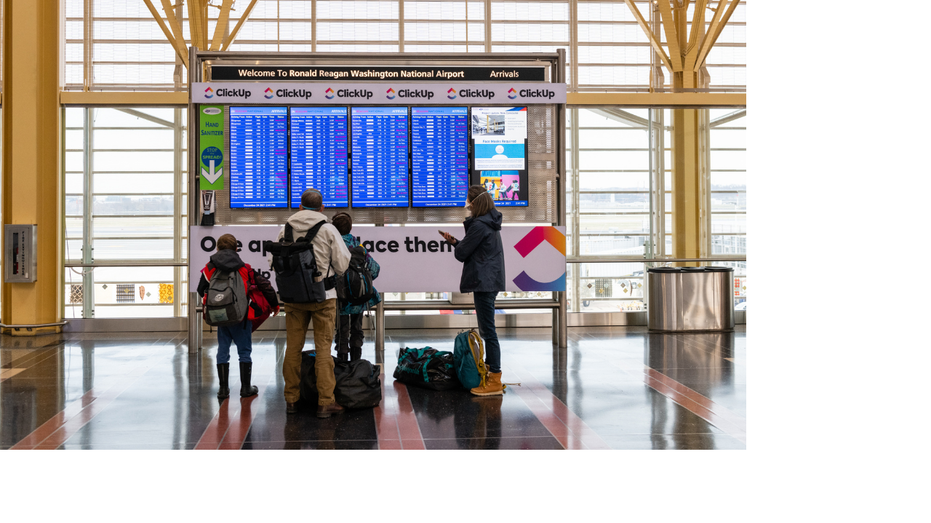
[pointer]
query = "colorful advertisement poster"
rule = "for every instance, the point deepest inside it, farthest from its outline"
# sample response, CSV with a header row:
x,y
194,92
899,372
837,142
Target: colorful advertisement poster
x,y
211,148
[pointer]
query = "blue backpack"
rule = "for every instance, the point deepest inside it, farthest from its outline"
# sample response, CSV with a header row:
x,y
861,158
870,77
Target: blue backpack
x,y
469,359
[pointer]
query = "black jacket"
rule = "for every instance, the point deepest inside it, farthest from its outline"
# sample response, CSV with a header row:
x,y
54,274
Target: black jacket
x,y
228,261
482,254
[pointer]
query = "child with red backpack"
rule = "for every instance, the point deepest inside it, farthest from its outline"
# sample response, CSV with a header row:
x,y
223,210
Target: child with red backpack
x,y
262,300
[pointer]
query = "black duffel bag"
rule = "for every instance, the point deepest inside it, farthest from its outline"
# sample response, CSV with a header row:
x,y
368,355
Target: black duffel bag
x,y
358,384
427,368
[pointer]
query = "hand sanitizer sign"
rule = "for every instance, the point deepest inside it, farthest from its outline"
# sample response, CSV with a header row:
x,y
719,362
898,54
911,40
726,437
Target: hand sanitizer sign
x,y
211,148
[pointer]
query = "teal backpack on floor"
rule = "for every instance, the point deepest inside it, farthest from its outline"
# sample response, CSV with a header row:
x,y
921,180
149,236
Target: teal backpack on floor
x,y
469,359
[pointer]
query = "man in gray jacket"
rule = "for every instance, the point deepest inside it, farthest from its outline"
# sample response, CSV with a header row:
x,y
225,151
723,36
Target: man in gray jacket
x,y
332,258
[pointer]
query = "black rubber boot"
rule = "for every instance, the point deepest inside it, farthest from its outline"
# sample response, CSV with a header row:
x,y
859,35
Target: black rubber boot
x,y
245,376
223,371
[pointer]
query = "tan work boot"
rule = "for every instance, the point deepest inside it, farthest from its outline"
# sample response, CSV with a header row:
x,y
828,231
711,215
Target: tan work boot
x,y
492,387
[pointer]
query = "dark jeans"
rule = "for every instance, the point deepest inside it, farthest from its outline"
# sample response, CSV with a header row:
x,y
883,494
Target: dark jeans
x,y
350,337
485,311
241,333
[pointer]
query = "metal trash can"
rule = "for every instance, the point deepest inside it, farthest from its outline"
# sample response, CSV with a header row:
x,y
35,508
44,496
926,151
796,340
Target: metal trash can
x,y
691,298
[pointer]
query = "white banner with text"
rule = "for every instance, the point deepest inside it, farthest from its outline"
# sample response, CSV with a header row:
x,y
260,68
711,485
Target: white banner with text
x,y
412,259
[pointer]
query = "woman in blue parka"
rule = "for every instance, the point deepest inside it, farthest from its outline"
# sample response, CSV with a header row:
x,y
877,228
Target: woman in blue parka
x,y
482,257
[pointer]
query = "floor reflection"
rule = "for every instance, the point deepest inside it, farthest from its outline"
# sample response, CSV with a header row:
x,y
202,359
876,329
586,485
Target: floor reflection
x,y
622,388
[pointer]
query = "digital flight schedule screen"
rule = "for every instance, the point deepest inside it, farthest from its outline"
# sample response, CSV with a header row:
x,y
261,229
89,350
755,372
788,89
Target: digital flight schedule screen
x,y
319,154
439,156
258,157
379,157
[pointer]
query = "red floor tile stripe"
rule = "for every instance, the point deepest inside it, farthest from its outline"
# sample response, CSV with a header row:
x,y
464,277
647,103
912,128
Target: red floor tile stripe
x,y
239,427
249,409
55,422
732,424
563,424
216,431
231,424
395,422
386,419
62,426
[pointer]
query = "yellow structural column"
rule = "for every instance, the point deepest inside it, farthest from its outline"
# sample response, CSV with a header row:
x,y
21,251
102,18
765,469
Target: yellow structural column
x,y
31,155
686,183
687,195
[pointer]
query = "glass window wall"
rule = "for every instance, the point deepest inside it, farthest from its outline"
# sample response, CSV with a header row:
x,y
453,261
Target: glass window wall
x,y
125,212
113,44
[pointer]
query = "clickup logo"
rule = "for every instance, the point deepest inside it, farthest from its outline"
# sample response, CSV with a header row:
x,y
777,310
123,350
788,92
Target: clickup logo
x,y
390,93
269,93
330,94
529,243
208,93
512,94
451,94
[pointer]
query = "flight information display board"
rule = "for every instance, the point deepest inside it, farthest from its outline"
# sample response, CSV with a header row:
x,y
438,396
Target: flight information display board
x,y
380,157
439,156
319,154
499,142
258,157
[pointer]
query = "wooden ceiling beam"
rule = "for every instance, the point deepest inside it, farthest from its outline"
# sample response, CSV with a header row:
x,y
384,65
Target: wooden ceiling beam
x,y
717,26
646,29
223,21
180,48
672,37
235,31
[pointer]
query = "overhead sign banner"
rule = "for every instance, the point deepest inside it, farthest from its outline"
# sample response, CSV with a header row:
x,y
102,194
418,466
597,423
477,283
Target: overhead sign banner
x,y
379,74
323,93
412,259
211,148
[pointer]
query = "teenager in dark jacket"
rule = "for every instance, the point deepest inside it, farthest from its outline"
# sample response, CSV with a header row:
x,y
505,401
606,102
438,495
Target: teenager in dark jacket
x,y
349,335
482,257
227,260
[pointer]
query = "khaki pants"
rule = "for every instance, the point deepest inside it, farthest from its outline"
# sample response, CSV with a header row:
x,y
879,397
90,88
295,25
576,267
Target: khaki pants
x,y
297,318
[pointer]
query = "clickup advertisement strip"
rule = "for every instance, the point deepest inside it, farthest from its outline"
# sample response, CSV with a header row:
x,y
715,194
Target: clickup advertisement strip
x,y
412,259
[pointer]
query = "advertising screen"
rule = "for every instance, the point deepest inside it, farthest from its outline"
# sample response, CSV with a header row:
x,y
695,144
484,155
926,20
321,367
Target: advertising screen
x,y
499,144
320,154
439,156
258,157
380,157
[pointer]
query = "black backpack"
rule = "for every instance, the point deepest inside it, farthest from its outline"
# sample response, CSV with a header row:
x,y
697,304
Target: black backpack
x,y
355,286
358,383
296,269
225,302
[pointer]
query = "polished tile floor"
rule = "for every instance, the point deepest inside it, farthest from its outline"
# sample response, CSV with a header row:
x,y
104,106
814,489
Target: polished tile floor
x,y
612,388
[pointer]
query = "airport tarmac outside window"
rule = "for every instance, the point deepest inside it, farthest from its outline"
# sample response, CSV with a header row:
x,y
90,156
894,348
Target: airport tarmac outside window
x,y
125,212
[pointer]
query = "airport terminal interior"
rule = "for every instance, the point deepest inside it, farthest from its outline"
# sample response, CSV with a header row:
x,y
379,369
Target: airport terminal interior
x,y
611,134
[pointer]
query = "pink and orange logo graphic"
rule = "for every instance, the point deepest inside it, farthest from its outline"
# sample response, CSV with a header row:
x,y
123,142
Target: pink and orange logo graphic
x,y
529,243
512,94
390,93
269,93
208,93
329,94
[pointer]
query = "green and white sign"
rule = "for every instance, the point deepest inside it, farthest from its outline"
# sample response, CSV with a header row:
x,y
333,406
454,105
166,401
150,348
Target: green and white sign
x,y
211,147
